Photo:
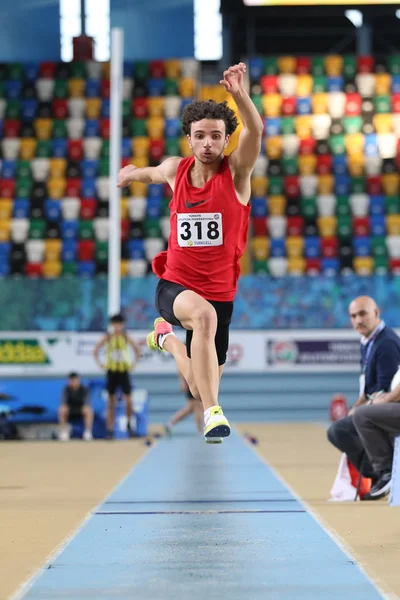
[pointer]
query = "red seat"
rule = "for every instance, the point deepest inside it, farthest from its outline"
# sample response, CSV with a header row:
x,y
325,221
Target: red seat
x,y
395,265
353,105
374,185
157,150
291,185
157,68
365,64
295,225
396,103
125,161
139,108
269,84
47,70
86,250
73,188
105,88
88,208
307,146
7,188
288,106
324,164
167,191
125,226
12,128
313,265
329,247
105,128
260,226
60,108
303,65
361,226
34,269
75,150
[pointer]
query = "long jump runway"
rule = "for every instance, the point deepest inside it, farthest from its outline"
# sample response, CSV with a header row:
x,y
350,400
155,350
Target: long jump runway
x,y
193,521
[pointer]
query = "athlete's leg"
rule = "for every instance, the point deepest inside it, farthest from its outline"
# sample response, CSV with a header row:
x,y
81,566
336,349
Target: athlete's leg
x,y
182,413
112,400
87,414
63,415
198,415
178,350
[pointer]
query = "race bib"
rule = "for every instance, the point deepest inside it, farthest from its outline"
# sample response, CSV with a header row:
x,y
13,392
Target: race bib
x,y
118,356
203,229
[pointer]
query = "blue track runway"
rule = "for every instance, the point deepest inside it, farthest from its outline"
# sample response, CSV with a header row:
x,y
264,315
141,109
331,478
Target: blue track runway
x,y
193,521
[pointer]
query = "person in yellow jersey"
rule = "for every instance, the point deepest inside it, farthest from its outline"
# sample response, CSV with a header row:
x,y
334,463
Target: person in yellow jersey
x,y
117,344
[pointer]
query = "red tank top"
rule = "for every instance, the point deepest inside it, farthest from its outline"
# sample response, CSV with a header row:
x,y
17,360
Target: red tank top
x,y
208,235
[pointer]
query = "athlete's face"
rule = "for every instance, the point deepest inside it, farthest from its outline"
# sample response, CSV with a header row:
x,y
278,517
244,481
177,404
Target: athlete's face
x,y
208,140
117,328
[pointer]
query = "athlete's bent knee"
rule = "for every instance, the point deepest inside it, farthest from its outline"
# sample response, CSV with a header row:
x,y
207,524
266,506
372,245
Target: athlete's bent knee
x,y
205,319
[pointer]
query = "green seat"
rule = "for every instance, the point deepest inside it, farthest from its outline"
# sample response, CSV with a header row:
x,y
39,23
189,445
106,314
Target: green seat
x,y
309,207
23,168
86,230
257,101
290,165
60,129
2,89
171,87
270,65
317,66
101,252
165,206
105,149
138,127
260,267
43,149
15,71
337,144
37,229
275,185
344,227
358,185
141,70
126,108
104,167
319,84
343,206
381,265
69,268
152,228
392,205
352,124
349,67
382,104
78,70
394,64
378,244
288,125
23,187
172,147
13,110
61,88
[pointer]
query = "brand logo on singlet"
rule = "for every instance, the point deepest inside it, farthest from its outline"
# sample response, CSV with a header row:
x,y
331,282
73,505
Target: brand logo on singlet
x,y
193,204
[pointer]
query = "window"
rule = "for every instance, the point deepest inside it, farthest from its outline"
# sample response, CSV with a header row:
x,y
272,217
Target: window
x,y
207,30
97,23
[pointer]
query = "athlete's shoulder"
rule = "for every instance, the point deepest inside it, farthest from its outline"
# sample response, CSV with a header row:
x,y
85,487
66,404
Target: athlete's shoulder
x,y
170,166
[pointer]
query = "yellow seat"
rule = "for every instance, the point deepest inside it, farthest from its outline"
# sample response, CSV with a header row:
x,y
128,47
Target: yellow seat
x,y
363,265
52,250
325,184
187,87
140,147
58,167
141,162
245,263
304,85
327,226
184,147
155,127
233,141
383,83
393,224
260,246
56,187
356,165
27,148
155,107
124,265
52,269
390,184
214,92
124,208
259,186
333,65
294,246
272,104
138,189
273,147
354,143
320,103
286,64
307,164
383,123
172,68
276,206
93,108
43,128
5,229
296,265
303,126
6,207
106,70
76,88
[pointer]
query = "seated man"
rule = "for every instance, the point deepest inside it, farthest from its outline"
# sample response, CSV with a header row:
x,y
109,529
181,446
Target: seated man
x,y
380,359
75,404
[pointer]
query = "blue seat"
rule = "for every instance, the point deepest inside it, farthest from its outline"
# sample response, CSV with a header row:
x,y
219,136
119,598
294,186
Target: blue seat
x,y
378,225
342,185
52,210
128,70
330,266
334,84
1,127
92,128
13,89
155,190
126,147
5,249
304,106
86,268
272,126
262,149
362,246
153,208
278,248
172,128
4,268
89,168
256,68
371,145
136,249
8,169
258,207
21,208
59,148
29,109
69,250
185,102
395,84
339,164
105,109
155,87
69,230
376,205
31,71
88,189
92,88
312,246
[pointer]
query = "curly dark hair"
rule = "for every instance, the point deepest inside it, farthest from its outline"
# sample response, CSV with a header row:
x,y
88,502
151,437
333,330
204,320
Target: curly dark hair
x,y
209,109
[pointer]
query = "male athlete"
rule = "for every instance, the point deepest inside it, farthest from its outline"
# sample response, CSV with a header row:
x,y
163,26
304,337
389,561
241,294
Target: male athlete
x,y
209,223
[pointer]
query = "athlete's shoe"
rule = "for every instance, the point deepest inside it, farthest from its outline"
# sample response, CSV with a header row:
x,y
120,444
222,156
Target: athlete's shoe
x,y
217,426
161,327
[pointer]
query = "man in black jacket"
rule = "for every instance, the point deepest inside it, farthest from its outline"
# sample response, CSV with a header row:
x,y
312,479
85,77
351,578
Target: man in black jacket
x,y
380,360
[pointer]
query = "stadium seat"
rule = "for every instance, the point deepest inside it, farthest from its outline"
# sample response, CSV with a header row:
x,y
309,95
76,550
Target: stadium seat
x,y
277,267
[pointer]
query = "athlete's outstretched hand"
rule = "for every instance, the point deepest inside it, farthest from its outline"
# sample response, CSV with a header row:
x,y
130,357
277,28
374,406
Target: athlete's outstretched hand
x,y
233,78
125,176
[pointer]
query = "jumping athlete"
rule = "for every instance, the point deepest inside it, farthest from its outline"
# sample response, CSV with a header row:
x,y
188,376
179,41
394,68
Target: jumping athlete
x,y
192,406
209,217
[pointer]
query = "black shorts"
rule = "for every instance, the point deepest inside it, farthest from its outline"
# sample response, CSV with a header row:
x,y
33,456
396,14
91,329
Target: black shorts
x,y
166,293
75,411
118,380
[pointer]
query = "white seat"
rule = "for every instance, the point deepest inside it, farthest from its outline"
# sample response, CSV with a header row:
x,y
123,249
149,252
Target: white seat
x,y
10,147
396,124
387,144
336,104
290,145
93,69
393,245
277,267
137,268
152,247
172,107
70,208
326,204
19,230
77,107
45,89
92,148
35,250
3,105
320,125
287,84
373,165
127,88
189,67
277,227
359,204
365,83
261,166
137,208
75,128
101,226
165,227
40,168
103,188
308,185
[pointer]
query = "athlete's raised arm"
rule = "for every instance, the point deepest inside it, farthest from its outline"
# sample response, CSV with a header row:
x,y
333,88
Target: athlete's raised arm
x,y
242,160
164,173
